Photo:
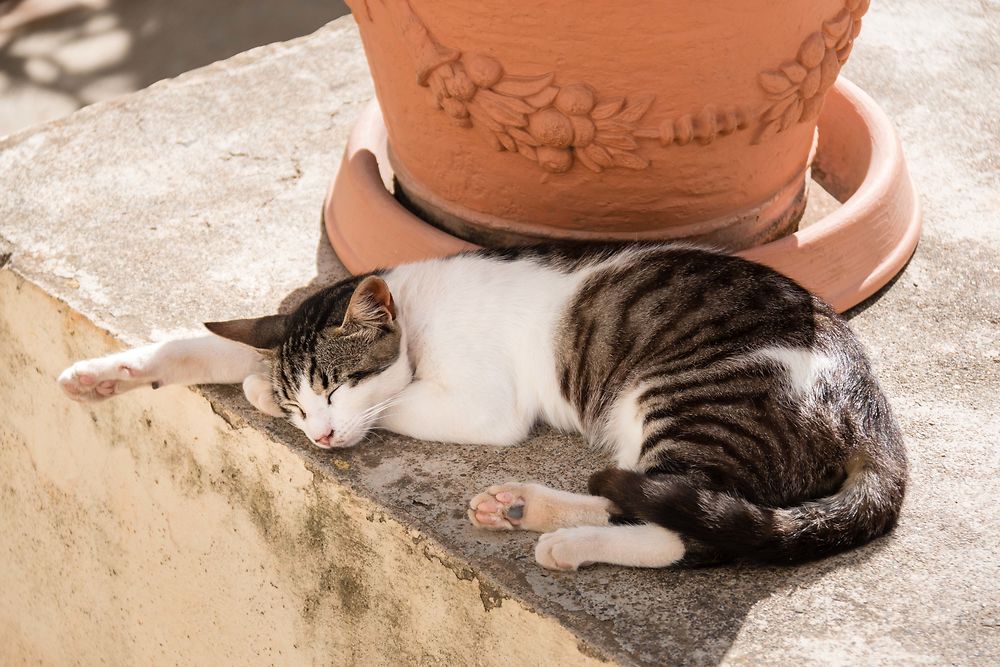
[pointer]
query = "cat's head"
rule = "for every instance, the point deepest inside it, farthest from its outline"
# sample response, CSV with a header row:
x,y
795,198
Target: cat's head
x,y
336,362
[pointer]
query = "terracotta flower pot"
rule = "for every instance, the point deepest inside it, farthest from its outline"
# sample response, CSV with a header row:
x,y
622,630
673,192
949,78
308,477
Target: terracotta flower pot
x,y
511,120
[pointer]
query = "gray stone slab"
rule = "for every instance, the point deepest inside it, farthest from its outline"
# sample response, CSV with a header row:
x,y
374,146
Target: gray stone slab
x,y
59,55
201,197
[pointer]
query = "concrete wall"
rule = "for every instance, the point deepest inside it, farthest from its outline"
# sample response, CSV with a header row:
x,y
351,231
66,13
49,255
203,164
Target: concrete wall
x,y
149,529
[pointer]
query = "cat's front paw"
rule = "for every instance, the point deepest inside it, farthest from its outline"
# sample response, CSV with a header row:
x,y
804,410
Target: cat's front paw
x,y
97,379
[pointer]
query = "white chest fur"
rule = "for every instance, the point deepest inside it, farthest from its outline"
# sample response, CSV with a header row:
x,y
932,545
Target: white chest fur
x,y
487,329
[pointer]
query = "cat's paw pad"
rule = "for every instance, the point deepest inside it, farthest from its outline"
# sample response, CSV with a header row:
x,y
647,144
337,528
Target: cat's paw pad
x,y
566,548
97,379
500,507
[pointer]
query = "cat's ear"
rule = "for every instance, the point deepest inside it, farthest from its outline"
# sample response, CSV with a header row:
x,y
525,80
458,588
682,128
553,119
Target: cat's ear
x,y
371,304
263,333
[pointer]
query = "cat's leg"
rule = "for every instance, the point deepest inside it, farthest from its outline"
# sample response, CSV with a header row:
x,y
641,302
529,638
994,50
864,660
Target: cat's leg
x,y
644,545
537,508
202,360
428,411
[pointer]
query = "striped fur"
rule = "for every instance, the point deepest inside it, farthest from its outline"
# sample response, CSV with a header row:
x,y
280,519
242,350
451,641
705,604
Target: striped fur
x,y
742,449
759,427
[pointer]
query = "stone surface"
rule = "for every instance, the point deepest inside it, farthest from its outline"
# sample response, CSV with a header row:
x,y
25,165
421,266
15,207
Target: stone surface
x,y
200,198
59,55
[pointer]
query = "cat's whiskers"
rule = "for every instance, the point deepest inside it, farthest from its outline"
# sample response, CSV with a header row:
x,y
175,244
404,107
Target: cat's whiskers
x,y
365,421
378,410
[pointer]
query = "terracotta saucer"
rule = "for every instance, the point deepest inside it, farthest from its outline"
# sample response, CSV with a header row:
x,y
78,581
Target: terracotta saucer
x,y
844,257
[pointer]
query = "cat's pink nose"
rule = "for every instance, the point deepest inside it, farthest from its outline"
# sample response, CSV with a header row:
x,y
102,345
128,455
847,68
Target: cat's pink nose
x,y
324,439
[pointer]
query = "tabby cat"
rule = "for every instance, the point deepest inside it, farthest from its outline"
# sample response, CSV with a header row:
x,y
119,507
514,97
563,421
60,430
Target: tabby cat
x,y
740,411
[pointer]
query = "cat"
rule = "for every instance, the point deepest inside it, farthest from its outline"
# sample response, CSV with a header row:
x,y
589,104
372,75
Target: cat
x,y
741,412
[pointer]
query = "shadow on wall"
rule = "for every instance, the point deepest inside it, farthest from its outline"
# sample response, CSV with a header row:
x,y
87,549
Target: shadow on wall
x,y
59,55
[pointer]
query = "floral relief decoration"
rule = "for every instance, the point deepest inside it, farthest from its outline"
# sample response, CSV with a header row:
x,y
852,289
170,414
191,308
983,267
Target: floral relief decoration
x,y
558,126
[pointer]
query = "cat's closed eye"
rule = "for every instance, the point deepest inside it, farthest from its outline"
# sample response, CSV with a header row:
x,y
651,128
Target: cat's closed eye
x,y
358,376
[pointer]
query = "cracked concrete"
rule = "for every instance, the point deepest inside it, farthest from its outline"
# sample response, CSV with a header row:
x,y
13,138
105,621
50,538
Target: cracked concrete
x,y
129,212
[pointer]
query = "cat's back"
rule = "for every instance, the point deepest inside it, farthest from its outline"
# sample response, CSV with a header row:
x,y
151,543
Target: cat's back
x,y
646,283
655,310
487,286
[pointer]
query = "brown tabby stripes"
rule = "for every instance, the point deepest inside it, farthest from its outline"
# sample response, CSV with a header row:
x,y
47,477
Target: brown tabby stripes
x,y
730,458
299,353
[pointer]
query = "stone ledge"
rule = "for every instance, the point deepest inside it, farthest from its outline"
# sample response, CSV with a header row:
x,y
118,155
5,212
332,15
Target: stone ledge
x,y
200,198
163,528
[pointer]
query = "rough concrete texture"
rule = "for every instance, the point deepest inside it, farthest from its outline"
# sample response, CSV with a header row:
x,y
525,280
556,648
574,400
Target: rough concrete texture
x,y
200,198
59,55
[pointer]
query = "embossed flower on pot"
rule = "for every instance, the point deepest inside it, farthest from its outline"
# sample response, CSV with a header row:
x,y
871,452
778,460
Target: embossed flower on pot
x,y
551,125
483,70
556,160
526,114
551,128
557,126
575,100
797,87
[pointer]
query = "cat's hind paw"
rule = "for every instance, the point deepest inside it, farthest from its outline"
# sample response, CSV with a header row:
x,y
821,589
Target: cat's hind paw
x,y
567,548
500,507
98,379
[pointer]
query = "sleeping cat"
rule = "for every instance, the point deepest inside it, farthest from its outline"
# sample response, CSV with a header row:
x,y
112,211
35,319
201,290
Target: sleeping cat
x,y
741,413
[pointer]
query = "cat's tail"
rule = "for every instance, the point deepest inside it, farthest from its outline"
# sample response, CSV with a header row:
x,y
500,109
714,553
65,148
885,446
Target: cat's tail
x,y
865,507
